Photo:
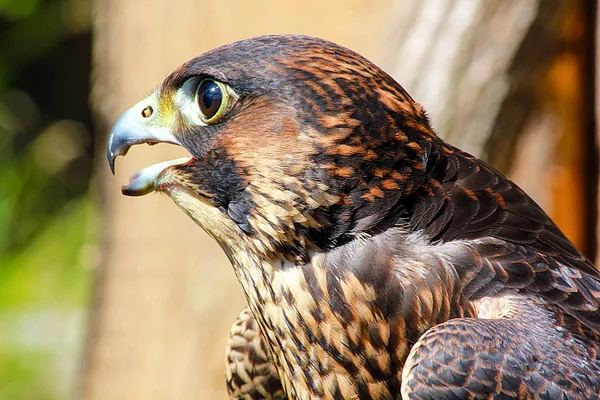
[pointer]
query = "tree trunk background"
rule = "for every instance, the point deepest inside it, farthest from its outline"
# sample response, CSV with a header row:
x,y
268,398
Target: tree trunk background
x,y
506,80
512,82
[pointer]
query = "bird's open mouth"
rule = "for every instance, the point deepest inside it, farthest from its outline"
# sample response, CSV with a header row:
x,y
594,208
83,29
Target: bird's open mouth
x,y
139,125
148,179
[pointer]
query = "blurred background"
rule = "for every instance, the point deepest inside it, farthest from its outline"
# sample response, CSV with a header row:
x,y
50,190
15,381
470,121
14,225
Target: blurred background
x,y
108,297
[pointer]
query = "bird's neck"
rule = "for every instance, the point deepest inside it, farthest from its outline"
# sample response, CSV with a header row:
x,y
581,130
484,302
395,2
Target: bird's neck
x,y
262,286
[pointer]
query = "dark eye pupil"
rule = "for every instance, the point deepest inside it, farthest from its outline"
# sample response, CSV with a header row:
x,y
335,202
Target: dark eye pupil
x,y
209,98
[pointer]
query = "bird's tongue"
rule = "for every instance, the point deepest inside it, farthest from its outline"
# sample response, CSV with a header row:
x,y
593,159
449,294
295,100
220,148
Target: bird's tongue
x,y
144,182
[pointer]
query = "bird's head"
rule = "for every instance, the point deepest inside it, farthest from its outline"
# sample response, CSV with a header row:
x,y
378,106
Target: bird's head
x,y
295,143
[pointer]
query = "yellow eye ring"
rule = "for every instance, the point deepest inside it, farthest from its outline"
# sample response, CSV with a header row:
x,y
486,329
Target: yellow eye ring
x,y
212,98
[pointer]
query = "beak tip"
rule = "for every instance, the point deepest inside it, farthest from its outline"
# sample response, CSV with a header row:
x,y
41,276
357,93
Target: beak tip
x,y
111,159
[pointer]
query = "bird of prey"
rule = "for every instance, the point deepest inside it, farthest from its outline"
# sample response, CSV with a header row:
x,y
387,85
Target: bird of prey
x,y
378,261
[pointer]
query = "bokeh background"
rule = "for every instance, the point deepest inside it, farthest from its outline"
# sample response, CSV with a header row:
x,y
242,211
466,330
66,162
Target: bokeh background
x,y
108,297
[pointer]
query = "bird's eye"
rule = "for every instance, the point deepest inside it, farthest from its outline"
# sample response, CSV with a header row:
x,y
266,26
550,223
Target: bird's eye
x,y
212,98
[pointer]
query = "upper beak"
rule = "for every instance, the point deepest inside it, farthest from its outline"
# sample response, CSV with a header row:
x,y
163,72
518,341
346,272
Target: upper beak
x,y
139,124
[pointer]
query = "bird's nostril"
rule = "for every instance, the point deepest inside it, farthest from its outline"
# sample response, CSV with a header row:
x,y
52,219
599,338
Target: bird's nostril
x,y
147,111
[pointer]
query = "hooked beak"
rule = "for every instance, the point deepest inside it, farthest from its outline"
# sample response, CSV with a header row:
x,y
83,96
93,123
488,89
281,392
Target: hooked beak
x,y
141,124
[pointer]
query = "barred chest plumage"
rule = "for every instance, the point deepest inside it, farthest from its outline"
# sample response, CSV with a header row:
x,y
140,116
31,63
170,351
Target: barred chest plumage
x,y
338,330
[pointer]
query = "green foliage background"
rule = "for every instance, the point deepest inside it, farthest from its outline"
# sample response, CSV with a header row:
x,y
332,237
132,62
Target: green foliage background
x,y
48,222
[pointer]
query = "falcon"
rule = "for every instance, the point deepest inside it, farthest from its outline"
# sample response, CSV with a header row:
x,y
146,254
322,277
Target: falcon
x,y
378,261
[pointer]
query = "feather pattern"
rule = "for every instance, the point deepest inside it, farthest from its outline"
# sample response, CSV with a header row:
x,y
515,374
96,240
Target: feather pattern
x,y
379,262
